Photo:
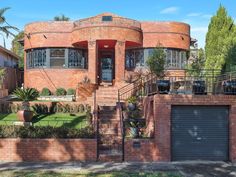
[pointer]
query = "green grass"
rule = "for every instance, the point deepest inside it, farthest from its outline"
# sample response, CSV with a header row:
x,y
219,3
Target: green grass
x,y
55,120
109,174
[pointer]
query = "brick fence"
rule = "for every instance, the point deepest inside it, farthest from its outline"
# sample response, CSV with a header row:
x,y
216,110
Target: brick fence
x,y
55,150
159,148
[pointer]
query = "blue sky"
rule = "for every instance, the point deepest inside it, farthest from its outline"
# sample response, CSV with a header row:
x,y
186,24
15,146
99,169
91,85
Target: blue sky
x,y
197,13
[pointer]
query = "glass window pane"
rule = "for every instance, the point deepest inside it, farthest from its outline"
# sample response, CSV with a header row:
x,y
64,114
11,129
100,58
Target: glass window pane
x,y
57,58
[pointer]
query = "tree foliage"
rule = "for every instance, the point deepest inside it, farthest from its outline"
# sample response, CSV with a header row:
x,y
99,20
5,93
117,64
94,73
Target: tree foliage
x,y
61,18
195,68
220,38
5,28
18,49
156,62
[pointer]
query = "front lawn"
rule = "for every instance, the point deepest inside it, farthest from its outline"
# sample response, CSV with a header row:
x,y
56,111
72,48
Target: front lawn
x,y
55,120
74,174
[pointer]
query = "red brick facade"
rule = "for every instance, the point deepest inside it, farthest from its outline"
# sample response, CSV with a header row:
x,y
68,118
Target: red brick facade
x,y
56,150
93,34
159,148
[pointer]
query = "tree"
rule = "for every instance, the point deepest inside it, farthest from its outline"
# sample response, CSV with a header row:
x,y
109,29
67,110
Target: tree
x,y
18,49
156,62
219,38
195,68
61,18
5,28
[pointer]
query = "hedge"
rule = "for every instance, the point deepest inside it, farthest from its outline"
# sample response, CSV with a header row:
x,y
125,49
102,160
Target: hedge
x,y
11,131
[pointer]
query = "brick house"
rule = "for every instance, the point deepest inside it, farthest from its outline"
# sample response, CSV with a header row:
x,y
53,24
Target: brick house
x,y
106,48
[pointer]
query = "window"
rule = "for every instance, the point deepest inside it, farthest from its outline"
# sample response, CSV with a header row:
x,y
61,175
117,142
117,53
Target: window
x,y
77,59
106,18
36,58
130,59
57,58
175,59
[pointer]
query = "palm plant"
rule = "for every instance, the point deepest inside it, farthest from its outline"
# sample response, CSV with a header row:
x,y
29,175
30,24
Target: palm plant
x,y
26,95
4,26
61,18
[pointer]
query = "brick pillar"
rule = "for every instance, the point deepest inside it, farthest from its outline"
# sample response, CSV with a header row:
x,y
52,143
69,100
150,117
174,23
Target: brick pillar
x,y
120,61
92,61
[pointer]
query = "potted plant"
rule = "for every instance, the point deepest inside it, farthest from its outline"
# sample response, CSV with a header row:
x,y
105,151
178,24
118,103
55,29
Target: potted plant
x,y
26,95
135,126
199,87
156,65
229,87
132,101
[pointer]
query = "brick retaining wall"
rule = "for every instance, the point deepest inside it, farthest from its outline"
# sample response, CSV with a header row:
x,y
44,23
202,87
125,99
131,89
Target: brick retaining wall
x,y
159,149
56,150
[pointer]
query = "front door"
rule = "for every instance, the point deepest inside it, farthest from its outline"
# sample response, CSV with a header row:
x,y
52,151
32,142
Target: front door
x,y
107,66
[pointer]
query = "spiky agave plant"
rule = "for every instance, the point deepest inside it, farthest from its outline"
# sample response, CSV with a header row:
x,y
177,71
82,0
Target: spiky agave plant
x,y
26,95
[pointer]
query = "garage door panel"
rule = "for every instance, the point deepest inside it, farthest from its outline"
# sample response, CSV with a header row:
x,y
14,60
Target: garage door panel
x,y
199,132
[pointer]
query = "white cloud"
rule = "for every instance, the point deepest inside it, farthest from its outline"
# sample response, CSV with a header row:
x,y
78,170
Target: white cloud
x,y
170,10
194,14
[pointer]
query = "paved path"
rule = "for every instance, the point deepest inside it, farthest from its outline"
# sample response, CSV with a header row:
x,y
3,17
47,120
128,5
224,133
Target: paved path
x,y
187,169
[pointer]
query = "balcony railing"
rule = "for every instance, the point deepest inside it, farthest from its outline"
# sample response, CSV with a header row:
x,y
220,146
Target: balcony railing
x,y
206,82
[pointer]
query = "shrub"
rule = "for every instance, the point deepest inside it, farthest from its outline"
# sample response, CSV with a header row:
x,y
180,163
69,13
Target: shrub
x,y
45,92
10,131
132,99
26,94
60,91
71,91
14,108
156,62
40,109
81,108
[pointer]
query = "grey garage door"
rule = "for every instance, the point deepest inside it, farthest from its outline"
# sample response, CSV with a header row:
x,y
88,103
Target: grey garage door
x,y
200,133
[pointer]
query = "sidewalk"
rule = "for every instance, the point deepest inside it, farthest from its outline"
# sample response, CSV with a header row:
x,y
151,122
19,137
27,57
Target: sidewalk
x,y
192,169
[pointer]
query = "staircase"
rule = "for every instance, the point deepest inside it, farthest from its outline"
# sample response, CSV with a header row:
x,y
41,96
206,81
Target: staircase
x,y
110,140
107,96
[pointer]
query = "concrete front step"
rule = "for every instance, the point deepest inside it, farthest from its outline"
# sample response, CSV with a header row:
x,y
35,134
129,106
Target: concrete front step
x,y
107,108
110,156
110,131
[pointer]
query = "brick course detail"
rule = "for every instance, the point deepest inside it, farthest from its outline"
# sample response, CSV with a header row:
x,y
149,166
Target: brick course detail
x,y
55,150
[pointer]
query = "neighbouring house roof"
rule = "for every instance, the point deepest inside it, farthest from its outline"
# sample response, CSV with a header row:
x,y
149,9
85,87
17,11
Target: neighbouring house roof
x,y
6,51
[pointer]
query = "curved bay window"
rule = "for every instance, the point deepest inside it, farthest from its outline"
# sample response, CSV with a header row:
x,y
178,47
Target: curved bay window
x,y
36,58
57,58
175,59
77,59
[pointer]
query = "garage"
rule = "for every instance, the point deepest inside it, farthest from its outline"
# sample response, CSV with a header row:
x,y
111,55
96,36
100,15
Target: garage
x,y
200,133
